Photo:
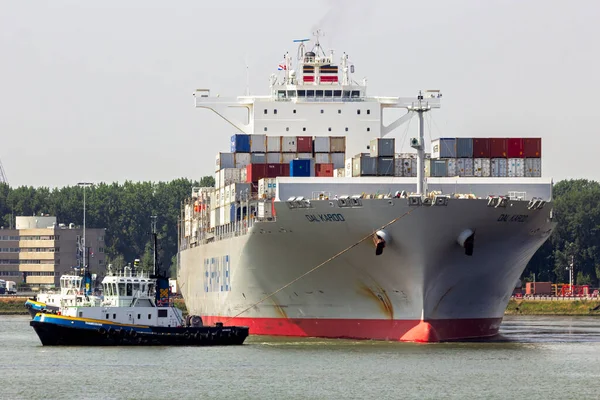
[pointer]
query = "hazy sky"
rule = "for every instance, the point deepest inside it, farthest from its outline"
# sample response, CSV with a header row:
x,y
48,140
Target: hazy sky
x,y
102,90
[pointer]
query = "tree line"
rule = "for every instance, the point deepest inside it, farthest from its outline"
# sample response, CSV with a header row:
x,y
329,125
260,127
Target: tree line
x,y
125,210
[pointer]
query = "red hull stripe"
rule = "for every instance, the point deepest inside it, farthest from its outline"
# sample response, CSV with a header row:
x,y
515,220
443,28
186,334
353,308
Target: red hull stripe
x,y
309,78
401,330
329,78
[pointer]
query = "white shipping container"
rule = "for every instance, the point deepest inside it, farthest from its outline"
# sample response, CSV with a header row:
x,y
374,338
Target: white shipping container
x,y
464,166
499,167
304,156
243,175
218,179
214,218
273,158
516,167
188,212
323,158
228,176
225,160
289,144
338,160
265,209
340,172
482,167
348,167
187,228
273,144
227,199
242,159
221,197
533,167
287,157
223,215
267,187
258,143
398,167
322,144
451,170
409,167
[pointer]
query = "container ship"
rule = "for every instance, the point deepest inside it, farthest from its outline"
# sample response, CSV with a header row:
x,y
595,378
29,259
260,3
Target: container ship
x,y
319,225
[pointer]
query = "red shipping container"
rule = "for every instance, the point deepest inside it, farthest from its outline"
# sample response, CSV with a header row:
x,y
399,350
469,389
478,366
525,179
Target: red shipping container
x,y
285,171
481,148
498,148
324,170
515,148
532,147
274,170
305,144
254,172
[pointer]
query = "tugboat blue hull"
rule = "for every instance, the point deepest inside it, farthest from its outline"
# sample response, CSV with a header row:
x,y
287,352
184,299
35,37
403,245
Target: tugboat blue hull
x,y
56,330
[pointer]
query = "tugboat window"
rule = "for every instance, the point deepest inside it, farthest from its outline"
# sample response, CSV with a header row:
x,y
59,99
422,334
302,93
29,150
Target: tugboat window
x,y
149,316
121,289
107,316
129,289
139,316
114,316
162,313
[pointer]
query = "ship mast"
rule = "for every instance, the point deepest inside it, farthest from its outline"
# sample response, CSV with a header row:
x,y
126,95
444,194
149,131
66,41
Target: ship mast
x,y
420,108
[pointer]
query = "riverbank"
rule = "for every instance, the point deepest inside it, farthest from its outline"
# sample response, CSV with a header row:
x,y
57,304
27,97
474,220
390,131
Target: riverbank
x,y
16,306
557,307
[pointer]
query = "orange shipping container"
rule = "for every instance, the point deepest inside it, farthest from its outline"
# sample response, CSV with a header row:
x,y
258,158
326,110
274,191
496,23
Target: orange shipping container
x,y
538,288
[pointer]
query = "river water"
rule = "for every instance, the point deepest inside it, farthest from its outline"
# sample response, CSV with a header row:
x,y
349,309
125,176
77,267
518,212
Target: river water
x,y
534,358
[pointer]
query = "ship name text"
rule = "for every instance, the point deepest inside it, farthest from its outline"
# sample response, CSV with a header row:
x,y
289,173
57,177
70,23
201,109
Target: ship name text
x,y
325,218
512,218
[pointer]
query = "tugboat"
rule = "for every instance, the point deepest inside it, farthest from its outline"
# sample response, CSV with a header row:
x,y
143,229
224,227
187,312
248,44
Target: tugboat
x,y
137,310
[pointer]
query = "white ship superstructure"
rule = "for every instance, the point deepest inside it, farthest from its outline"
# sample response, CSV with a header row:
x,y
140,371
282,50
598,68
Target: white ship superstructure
x,y
311,174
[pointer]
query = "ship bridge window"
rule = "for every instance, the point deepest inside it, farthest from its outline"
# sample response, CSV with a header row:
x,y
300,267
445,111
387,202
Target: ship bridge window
x,y
301,93
355,93
162,313
291,93
121,289
150,289
328,93
346,129
130,289
310,93
136,287
337,93
319,93
114,289
281,94
346,93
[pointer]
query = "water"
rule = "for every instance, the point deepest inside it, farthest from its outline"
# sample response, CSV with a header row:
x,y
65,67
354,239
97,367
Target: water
x,y
535,358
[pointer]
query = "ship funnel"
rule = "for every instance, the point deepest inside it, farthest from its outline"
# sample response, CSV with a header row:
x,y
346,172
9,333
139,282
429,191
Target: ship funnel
x,y
466,239
380,238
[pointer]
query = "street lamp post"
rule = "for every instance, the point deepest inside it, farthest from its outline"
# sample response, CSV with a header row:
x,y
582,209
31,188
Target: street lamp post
x,y
84,185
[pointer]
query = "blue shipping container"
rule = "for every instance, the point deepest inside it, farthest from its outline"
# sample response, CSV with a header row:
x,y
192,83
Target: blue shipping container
x,y
240,143
464,147
232,213
300,167
443,148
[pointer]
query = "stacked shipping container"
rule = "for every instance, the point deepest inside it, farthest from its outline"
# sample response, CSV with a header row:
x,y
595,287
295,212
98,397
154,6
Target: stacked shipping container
x,y
485,157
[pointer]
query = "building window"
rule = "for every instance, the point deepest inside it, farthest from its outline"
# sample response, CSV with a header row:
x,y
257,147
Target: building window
x,y
265,128
265,110
100,249
368,111
100,262
358,112
275,111
101,238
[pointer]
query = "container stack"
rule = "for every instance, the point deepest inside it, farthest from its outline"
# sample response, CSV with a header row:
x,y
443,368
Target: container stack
x,y
486,157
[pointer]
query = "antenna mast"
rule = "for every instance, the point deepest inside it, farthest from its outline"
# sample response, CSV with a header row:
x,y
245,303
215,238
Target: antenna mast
x,y
154,244
3,178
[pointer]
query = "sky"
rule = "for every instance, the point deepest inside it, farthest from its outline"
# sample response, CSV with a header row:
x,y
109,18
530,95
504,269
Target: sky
x,y
101,91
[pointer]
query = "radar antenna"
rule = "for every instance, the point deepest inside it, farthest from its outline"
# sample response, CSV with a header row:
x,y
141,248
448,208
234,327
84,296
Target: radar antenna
x,y
3,178
317,34
301,48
